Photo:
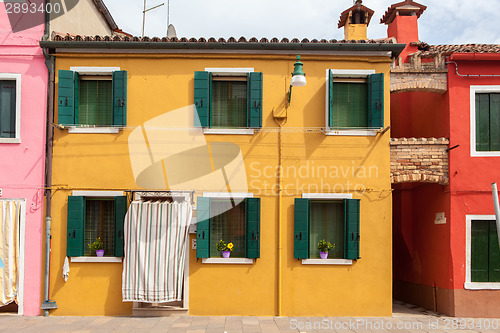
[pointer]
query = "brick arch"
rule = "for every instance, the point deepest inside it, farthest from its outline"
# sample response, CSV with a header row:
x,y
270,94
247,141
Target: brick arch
x,y
419,161
429,82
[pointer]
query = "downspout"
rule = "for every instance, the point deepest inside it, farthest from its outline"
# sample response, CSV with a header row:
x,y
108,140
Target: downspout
x,y
497,206
49,62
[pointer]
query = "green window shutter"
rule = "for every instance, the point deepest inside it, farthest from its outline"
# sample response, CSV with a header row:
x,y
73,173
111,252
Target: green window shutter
x,y
120,211
479,251
255,100
495,122
301,229
120,98
494,255
351,227
75,227
376,100
202,91
203,228
330,98
67,97
253,227
482,122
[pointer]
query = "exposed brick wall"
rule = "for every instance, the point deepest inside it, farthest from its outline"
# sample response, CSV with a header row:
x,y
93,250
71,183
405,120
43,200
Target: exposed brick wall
x,y
419,160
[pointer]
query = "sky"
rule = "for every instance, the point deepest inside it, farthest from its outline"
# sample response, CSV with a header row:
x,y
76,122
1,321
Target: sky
x,y
444,21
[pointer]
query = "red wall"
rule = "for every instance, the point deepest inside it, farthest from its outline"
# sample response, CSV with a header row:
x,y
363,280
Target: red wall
x,y
405,30
470,177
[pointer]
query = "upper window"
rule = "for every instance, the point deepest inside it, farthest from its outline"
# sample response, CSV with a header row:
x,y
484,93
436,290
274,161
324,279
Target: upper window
x,y
336,221
485,120
220,219
488,122
485,252
95,99
228,99
355,100
91,217
10,108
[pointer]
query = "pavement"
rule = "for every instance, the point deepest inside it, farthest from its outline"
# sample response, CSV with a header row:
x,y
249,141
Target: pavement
x,y
406,318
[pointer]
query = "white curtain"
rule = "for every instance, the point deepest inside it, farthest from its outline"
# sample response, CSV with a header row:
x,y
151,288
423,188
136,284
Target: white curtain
x,y
156,236
10,214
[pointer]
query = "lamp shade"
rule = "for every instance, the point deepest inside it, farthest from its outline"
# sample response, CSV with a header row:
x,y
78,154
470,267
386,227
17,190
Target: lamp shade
x,y
298,81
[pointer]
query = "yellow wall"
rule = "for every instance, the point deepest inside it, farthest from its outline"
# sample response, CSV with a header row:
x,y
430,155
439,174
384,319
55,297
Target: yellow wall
x,y
159,84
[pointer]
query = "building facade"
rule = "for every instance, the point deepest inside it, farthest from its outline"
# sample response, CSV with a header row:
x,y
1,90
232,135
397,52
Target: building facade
x,y
445,242
273,170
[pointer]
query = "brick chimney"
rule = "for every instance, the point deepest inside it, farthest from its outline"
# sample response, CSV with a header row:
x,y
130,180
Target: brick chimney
x,y
401,19
355,21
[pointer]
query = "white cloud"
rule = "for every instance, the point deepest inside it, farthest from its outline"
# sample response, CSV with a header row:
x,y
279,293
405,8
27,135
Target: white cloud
x,y
444,22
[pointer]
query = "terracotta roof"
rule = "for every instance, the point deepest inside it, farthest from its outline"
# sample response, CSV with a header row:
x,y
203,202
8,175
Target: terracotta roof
x,y
345,14
427,50
406,7
78,38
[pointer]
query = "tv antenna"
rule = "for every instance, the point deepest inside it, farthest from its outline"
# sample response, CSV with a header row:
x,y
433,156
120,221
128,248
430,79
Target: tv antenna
x,y
144,14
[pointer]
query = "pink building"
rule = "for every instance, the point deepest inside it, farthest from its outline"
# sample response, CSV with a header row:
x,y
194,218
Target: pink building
x,y
23,109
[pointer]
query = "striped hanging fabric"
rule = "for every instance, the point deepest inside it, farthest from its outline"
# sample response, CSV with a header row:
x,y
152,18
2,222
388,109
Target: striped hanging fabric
x,y
10,214
156,236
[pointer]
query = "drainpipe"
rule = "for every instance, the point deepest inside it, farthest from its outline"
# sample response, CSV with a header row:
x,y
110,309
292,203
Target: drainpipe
x,y
497,207
49,62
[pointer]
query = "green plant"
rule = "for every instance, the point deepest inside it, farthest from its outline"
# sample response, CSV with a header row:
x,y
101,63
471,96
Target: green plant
x,y
325,246
222,246
97,245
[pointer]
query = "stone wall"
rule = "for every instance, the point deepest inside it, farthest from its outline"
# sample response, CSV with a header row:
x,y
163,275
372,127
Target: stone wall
x,y
419,160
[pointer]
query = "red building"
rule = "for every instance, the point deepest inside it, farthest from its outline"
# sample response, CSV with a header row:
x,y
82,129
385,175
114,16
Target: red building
x,y
446,252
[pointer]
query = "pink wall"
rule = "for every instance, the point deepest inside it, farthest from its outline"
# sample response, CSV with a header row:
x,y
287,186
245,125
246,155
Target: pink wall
x,y
470,177
22,164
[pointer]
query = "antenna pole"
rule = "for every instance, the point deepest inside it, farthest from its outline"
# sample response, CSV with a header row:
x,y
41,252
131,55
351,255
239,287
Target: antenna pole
x,y
168,13
143,18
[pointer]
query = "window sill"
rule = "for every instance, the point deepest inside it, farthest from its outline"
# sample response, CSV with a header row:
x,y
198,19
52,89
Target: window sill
x,y
326,262
242,261
96,259
347,132
10,140
94,130
482,285
485,154
229,131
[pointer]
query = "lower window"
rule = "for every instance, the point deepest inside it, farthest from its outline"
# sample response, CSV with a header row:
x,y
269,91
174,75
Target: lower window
x,y
485,252
90,218
335,221
222,219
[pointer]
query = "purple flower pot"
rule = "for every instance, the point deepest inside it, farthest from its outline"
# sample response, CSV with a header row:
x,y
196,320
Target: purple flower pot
x,y
100,253
226,254
323,255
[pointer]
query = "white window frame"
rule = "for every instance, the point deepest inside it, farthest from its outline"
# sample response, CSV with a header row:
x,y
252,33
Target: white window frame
x,y
345,73
94,130
468,255
473,91
14,77
223,71
327,196
227,195
97,194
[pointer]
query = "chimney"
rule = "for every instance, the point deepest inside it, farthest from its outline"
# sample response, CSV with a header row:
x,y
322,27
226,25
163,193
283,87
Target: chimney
x,y
401,19
355,21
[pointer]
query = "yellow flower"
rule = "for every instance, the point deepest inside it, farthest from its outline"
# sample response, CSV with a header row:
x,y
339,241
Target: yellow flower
x,y
230,246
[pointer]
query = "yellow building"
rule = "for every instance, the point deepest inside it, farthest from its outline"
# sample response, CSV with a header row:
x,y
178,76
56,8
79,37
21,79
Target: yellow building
x,y
271,169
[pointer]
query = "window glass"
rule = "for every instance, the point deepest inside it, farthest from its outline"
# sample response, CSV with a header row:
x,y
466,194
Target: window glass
x,y
227,224
95,102
7,109
100,222
229,104
327,222
350,105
